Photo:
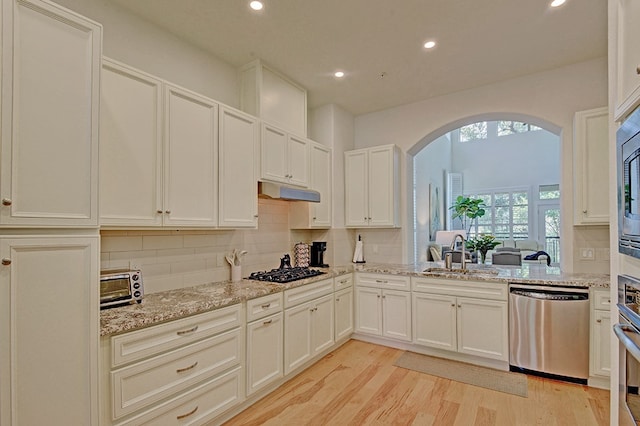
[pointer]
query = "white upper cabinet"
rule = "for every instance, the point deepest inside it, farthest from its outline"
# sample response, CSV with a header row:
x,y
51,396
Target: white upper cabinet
x,y
591,167
372,187
158,152
190,159
50,103
315,215
130,147
626,34
238,147
271,96
285,157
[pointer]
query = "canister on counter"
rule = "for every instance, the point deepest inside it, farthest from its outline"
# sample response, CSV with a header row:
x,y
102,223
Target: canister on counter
x,y
301,255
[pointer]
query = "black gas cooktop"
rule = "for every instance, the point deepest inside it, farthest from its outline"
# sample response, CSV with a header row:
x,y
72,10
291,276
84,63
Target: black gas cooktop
x,y
285,275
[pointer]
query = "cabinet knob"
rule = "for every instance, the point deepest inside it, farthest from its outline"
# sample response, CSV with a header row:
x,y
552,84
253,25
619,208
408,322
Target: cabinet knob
x,y
167,211
459,306
6,261
159,211
584,211
337,299
598,320
314,218
453,305
638,70
378,296
6,201
255,215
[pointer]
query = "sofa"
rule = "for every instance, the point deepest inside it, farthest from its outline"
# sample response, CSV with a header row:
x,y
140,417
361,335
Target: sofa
x,y
524,247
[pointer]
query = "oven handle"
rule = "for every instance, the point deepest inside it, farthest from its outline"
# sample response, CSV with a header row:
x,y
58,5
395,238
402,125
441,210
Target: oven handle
x,y
630,345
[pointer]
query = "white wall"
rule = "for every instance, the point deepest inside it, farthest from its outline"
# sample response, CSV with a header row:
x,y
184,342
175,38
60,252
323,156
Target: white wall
x,y
145,46
550,97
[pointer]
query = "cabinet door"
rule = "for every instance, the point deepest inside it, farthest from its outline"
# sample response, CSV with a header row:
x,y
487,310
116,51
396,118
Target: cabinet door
x,y
50,113
369,310
591,154
320,180
238,145
297,336
344,313
130,147
274,149
434,321
396,314
600,356
383,186
627,91
298,161
264,352
322,324
356,188
190,159
482,328
49,331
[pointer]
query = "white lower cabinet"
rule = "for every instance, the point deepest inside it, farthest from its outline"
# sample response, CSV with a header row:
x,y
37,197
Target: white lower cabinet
x,y
599,345
49,330
308,330
186,371
385,313
343,313
264,341
445,316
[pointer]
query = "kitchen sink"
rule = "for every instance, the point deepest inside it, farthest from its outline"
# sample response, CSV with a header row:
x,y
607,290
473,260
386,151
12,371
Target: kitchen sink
x,y
472,271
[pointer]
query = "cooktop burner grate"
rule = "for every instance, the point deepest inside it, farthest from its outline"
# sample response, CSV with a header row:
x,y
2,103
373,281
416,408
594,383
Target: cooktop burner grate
x,y
285,275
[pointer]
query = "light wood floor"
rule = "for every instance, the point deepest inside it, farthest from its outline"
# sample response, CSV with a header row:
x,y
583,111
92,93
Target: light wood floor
x,y
358,385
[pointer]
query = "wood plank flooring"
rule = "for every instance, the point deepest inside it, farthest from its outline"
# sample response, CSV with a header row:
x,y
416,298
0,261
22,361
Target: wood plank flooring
x,y
358,384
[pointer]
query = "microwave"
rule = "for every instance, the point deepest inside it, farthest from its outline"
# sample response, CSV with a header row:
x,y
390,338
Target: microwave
x,y
628,171
120,287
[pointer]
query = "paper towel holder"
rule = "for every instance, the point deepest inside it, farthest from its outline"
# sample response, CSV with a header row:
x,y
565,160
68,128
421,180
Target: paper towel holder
x,y
358,255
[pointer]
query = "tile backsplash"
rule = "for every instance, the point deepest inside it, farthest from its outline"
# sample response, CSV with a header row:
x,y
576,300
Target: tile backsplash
x,y
172,259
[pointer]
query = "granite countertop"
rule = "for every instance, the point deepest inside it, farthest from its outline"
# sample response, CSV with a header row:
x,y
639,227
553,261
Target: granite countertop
x,y
175,304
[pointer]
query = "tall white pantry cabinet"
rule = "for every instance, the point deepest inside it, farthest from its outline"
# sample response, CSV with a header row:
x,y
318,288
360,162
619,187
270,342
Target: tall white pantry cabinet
x,y
49,241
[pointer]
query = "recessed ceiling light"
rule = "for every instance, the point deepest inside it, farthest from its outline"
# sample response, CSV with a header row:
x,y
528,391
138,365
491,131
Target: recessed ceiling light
x,y
557,3
338,74
256,5
430,44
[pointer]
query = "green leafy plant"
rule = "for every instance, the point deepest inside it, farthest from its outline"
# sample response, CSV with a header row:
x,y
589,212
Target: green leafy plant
x,y
483,244
468,208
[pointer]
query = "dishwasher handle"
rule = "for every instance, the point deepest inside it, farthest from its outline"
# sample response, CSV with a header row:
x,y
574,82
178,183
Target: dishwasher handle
x,y
544,295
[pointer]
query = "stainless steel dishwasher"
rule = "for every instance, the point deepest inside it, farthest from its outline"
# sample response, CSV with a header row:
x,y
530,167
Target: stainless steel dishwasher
x,y
549,330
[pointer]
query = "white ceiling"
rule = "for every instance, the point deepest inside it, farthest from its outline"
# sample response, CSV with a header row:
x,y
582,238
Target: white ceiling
x,y
479,42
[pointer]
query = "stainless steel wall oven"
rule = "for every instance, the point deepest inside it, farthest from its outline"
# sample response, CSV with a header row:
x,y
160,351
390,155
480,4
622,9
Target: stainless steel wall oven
x,y
628,165
628,332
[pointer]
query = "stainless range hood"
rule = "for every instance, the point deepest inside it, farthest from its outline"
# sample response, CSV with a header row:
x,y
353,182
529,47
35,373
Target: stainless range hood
x,y
289,193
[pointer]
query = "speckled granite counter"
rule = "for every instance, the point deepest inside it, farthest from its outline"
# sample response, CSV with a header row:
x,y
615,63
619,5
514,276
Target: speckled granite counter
x,y
174,304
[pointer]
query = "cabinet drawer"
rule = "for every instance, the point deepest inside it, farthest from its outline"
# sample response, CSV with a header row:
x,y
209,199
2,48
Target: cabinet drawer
x,y
394,282
304,293
154,340
138,385
264,306
343,281
477,289
601,299
200,404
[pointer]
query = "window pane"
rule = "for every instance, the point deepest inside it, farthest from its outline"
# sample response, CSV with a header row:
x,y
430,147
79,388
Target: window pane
x,y
521,230
520,214
485,229
502,214
520,198
512,127
549,192
473,131
502,199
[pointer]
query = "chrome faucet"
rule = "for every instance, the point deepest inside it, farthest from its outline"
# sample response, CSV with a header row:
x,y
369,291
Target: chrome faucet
x,y
463,258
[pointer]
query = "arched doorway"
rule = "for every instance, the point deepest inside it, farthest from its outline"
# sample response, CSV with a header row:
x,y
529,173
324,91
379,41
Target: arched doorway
x,y
511,161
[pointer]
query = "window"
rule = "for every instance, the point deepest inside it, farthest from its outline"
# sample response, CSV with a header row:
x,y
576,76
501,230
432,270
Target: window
x,y
507,214
549,192
512,127
473,131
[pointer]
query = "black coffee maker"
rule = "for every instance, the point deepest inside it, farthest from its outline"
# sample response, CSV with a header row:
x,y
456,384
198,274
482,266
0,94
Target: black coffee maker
x,y
317,254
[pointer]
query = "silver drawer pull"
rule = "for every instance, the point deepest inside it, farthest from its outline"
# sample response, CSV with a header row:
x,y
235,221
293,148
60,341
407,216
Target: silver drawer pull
x,y
266,306
382,281
267,322
184,416
182,370
183,332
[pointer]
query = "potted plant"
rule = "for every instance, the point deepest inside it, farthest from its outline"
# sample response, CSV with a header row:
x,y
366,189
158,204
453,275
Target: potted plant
x,y
467,208
483,244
